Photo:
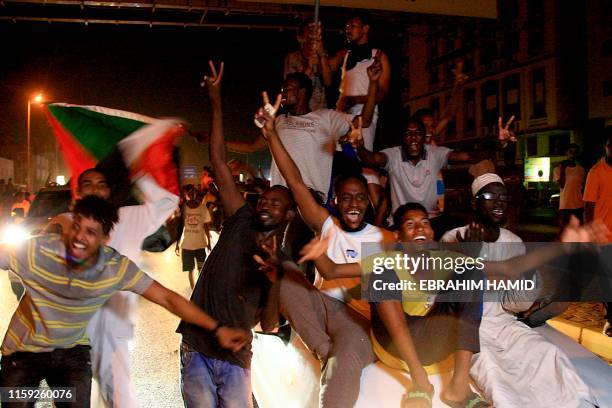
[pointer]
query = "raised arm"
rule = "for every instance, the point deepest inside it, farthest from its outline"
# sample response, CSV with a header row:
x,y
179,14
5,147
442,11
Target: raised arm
x,y
451,107
506,137
230,196
355,137
375,72
240,146
313,214
228,337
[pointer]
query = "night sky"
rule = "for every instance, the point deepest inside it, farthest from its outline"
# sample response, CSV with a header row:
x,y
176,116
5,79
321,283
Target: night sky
x,y
155,72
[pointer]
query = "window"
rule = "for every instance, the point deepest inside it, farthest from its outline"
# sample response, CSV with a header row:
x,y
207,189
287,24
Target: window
x,y
535,24
538,93
532,146
469,110
490,103
512,96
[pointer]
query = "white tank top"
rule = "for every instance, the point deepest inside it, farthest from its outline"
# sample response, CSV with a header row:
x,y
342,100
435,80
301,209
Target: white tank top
x,y
355,81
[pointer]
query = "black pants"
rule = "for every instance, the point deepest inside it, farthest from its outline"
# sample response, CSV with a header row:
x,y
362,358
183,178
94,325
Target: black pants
x,y
61,368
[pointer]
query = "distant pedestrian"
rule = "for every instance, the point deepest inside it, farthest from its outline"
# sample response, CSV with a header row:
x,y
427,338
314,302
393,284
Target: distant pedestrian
x,y
569,175
195,234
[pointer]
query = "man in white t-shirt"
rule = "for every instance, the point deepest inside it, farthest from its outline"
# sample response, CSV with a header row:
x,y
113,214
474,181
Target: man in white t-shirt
x,y
331,319
413,166
310,137
570,177
503,369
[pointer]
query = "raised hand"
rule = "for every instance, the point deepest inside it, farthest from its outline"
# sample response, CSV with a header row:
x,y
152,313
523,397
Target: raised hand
x,y
505,133
594,232
314,249
375,69
213,81
458,74
271,265
232,338
473,233
355,135
264,118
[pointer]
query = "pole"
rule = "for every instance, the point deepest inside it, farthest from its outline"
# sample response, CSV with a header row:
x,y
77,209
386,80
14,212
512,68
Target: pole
x,y
315,67
28,170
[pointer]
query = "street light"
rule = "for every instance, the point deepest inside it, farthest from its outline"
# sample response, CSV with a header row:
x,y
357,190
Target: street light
x,y
36,99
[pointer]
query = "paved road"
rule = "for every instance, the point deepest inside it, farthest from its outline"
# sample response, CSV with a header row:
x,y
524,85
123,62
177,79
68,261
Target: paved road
x,y
155,345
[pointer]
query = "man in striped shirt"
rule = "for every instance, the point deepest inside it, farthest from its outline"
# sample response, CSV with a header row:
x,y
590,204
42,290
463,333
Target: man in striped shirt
x,y
67,279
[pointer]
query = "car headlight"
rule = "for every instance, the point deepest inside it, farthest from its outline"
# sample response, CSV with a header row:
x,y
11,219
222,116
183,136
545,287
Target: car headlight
x,y
14,234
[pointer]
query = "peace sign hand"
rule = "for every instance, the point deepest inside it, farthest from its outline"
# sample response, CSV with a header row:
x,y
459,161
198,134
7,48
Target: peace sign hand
x,y
264,118
505,133
213,82
354,135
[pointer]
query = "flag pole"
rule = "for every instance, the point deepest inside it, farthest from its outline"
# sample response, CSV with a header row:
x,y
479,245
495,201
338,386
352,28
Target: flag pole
x,y
317,4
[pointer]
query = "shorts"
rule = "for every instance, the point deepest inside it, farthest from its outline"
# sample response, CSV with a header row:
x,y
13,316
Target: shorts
x,y
190,256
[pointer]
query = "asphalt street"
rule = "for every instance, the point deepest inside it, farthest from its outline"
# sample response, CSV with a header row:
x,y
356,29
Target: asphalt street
x,y
154,349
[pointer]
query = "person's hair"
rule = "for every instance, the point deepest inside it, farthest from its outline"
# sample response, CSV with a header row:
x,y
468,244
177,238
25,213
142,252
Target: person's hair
x,y
303,81
362,15
421,113
188,188
403,209
99,209
282,189
342,178
84,173
414,120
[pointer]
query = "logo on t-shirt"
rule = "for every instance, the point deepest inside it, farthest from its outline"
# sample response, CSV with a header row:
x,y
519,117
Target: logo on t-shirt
x,y
351,253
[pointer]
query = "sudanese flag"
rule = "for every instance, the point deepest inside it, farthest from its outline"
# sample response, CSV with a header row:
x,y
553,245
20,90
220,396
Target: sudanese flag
x,y
119,143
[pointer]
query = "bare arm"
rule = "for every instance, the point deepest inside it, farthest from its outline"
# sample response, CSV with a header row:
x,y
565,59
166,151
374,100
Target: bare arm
x,y
228,337
230,197
451,107
240,146
392,315
179,306
372,158
332,65
313,214
331,270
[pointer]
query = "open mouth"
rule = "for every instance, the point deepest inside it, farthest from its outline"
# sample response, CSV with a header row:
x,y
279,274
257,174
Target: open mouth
x,y
419,238
497,212
353,215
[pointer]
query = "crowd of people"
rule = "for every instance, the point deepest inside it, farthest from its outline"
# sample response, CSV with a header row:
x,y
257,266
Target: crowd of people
x,y
327,182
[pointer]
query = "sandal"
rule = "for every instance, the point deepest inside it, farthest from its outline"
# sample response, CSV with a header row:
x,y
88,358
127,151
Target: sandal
x,y
416,395
473,400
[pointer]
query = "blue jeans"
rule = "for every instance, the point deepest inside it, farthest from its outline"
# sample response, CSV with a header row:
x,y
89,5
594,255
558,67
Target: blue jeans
x,y
207,382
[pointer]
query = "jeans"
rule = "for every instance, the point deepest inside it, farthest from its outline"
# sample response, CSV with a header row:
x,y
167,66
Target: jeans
x,y
207,382
61,368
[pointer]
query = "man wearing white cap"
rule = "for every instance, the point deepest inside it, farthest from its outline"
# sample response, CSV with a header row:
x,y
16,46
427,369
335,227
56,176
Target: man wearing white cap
x,y
503,369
